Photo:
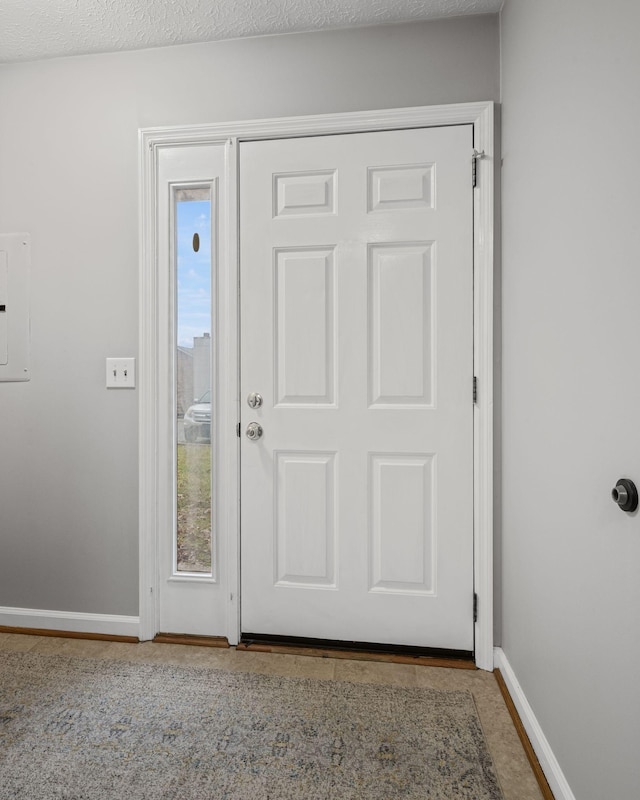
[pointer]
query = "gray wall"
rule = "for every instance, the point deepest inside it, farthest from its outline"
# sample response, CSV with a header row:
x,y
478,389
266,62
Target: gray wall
x,y
68,175
571,399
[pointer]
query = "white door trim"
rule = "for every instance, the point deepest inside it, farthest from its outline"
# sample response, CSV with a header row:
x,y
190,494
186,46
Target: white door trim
x,y
481,116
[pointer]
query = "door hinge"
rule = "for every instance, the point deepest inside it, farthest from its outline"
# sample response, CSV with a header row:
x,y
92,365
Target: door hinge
x,y
475,607
477,154
238,430
475,389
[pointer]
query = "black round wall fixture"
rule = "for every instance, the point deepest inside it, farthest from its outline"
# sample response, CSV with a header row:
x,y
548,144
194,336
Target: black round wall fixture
x,y
625,494
196,242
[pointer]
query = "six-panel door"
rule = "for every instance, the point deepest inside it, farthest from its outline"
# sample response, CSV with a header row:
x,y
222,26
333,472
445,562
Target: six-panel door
x,y
357,331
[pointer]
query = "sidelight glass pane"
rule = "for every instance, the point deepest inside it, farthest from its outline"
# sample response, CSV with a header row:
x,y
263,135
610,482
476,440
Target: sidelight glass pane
x,y
193,546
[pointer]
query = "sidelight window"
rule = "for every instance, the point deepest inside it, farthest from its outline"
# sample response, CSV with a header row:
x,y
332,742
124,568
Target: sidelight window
x,y
193,379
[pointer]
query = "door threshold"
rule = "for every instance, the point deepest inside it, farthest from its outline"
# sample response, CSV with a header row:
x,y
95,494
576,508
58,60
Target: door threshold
x,y
188,639
357,651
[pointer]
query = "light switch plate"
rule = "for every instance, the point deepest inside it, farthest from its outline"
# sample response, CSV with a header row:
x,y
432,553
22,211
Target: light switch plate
x,y
121,373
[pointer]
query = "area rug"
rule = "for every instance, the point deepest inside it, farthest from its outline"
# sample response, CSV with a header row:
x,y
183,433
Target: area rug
x,y
88,729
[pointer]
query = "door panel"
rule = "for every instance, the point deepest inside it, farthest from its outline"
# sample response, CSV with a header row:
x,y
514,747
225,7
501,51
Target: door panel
x,y
357,330
304,327
305,524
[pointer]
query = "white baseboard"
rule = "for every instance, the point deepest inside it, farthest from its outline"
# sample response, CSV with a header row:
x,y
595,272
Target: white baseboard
x,y
110,624
548,761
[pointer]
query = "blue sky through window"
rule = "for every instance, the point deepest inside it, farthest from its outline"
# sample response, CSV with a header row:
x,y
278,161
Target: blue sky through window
x,y
193,270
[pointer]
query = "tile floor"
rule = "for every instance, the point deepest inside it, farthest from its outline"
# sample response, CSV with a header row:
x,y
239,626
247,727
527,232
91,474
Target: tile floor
x,y
514,772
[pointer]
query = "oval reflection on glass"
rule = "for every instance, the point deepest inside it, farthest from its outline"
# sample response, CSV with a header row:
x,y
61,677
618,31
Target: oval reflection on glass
x,y
196,242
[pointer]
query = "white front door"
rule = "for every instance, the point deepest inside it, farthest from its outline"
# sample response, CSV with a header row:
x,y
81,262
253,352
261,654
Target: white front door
x,y
357,332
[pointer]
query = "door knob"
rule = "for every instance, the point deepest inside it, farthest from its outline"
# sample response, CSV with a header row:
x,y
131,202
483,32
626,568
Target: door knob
x,y
625,494
254,431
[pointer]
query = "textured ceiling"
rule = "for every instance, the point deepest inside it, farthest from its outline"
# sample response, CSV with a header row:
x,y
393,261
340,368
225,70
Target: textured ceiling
x,y
33,29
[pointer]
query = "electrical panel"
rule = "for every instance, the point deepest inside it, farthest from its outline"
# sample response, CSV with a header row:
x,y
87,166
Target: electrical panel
x,y
14,307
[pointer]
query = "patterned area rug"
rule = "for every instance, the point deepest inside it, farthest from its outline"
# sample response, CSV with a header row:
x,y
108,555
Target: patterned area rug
x,y
82,729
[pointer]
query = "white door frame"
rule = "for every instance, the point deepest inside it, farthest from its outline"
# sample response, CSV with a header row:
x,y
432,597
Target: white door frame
x,y
152,140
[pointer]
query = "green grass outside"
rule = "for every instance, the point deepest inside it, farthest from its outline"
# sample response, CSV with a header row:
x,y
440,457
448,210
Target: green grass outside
x,y
194,508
